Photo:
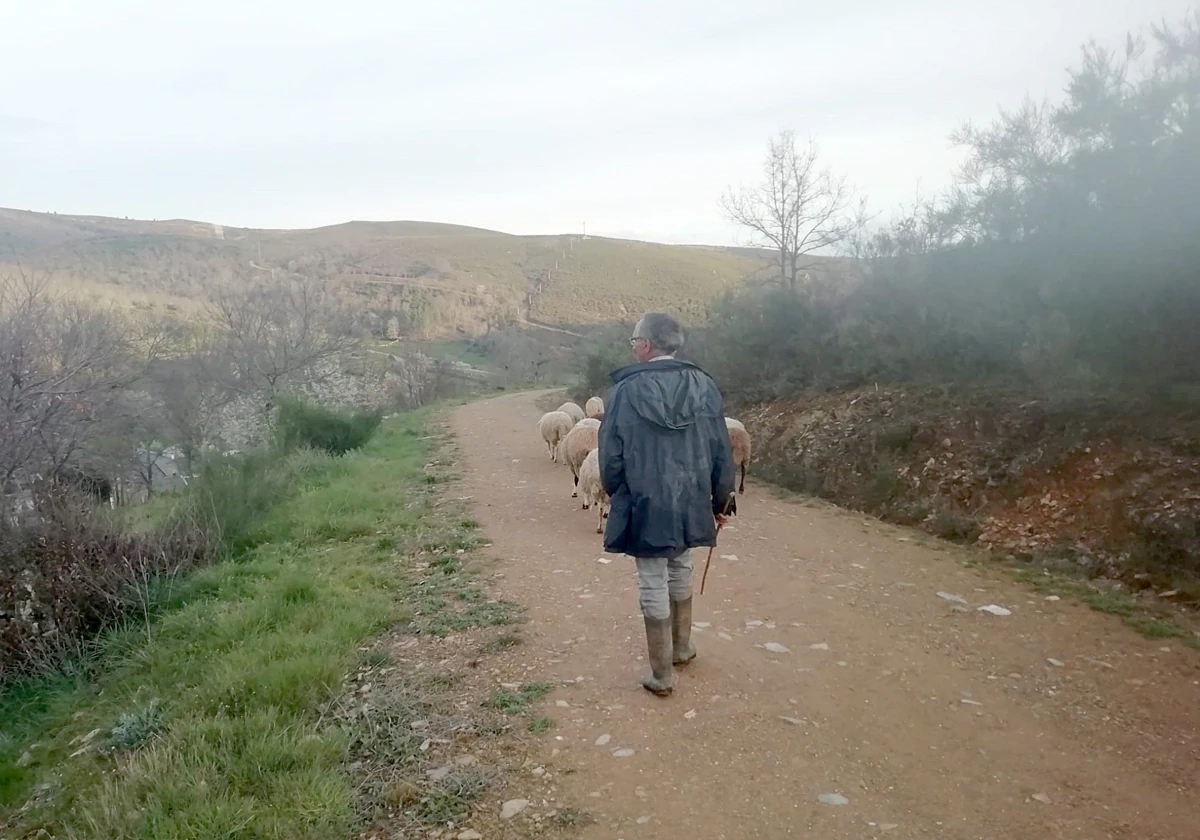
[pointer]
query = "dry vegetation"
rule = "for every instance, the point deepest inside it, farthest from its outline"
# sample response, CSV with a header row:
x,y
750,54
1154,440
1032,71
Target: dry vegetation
x,y
406,279
620,280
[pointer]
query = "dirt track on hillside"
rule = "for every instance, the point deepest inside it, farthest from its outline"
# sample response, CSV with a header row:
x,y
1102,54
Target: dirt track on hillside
x,y
931,719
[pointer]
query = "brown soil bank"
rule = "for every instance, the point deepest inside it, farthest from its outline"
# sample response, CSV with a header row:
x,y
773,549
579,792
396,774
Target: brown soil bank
x,y
1111,491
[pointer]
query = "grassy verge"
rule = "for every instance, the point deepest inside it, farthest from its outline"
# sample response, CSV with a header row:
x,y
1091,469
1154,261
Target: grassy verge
x,y
1152,620
240,710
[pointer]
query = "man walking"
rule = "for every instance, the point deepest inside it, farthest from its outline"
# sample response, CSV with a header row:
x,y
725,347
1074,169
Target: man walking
x,y
667,463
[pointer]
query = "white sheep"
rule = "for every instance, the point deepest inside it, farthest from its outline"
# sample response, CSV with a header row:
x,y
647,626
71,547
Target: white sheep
x,y
553,427
577,444
742,450
594,407
572,409
592,488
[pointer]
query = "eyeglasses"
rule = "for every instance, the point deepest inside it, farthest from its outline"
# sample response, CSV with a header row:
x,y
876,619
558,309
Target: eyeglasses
x,y
634,341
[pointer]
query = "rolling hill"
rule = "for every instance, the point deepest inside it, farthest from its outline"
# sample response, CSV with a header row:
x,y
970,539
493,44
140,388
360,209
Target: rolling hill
x,y
416,279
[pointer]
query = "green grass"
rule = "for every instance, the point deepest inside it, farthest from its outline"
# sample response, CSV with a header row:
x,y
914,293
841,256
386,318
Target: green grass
x,y
1152,620
511,702
541,725
574,818
205,723
504,641
451,798
459,351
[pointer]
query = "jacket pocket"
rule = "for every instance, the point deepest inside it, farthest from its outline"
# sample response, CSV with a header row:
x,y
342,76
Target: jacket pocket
x,y
616,532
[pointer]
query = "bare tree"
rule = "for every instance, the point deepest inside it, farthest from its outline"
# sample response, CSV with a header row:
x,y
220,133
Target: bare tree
x,y
270,335
187,401
798,210
64,367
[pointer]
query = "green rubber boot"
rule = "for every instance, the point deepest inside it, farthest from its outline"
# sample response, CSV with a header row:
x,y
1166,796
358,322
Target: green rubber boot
x,y
660,679
681,632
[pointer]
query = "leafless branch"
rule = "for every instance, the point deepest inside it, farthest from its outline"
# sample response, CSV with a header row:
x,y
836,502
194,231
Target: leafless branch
x,y
268,336
799,209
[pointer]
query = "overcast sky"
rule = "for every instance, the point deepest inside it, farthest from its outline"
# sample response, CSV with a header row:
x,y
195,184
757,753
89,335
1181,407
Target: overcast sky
x,y
528,117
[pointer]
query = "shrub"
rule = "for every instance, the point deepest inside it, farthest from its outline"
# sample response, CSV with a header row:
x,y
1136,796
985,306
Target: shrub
x,y
134,728
66,574
301,423
594,368
230,497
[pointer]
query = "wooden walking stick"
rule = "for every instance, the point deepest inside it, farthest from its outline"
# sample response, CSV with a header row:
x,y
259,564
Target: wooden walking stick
x,y
704,577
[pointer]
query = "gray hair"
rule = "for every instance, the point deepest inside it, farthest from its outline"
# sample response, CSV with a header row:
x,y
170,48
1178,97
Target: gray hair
x,y
661,330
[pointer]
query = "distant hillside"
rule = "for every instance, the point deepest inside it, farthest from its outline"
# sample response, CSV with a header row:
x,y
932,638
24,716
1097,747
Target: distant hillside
x,y
412,278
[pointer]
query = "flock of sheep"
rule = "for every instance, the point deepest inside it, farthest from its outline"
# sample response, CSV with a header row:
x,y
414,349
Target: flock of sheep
x,y
572,436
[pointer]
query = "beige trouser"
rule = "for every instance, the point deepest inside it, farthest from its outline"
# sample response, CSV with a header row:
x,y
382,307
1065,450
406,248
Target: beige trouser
x,y
662,580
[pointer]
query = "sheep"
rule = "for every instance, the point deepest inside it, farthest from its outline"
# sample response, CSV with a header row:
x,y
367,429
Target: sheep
x,y
572,409
740,439
576,445
594,407
592,487
553,427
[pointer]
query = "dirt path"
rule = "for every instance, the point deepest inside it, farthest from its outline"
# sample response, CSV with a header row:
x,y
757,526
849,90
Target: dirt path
x,y
931,721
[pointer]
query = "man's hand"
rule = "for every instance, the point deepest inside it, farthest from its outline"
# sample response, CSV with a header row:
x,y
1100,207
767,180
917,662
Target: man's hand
x,y
722,516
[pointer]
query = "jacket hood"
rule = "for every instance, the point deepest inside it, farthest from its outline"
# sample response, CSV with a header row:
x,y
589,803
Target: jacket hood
x,y
667,393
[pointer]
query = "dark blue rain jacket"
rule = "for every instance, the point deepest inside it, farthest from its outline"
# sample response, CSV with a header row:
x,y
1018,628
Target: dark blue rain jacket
x,y
665,459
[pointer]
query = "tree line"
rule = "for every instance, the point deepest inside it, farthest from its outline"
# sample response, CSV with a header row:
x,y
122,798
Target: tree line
x,y
1064,255
90,395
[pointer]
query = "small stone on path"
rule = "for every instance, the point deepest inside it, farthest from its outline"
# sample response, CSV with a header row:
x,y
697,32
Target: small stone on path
x,y
643,820
995,610
1053,598
602,740
513,807
775,647
689,714
604,560
470,834
626,752
701,625
731,557
969,702
1041,797
1057,663
833,799
957,599
793,721
725,636
819,646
